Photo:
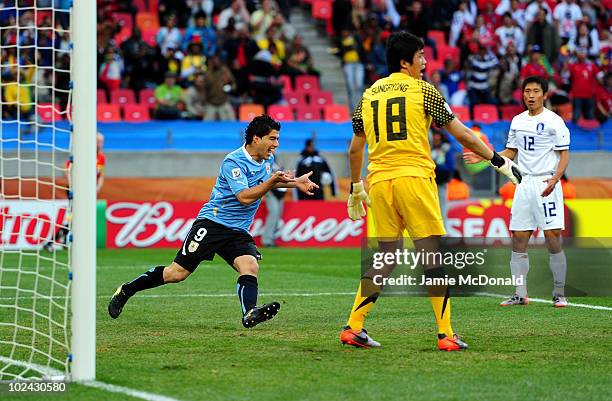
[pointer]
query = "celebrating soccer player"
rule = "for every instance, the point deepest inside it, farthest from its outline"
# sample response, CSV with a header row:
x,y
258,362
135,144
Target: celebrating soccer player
x,y
393,117
222,225
541,140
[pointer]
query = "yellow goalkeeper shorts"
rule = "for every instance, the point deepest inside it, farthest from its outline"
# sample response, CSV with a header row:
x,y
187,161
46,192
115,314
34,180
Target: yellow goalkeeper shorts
x,y
409,203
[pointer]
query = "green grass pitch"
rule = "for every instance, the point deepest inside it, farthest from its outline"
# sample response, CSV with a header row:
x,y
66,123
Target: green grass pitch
x,y
186,340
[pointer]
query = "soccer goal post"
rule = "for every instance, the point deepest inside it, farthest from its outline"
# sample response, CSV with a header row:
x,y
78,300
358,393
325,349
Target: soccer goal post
x,y
48,190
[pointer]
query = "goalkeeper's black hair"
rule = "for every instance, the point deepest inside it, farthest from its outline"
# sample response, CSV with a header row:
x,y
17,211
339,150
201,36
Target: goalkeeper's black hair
x,y
535,79
402,46
260,127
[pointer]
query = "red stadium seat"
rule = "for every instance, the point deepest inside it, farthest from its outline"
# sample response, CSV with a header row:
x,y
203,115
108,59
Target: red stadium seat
x,y
123,96
141,5
149,36
108,113
101,96
321,98
307,83
285,81
308,113
147,21
336,113
153,6
485,113
428,53
432,66
48,112
438,37
462,112
123,35
566,111
147,96
124,20
447,52
322,9
280,113
294,98
508,111
136,113
248,111
588,124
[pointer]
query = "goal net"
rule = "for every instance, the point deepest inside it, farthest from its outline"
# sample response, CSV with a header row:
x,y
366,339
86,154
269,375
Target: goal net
x,y
36,149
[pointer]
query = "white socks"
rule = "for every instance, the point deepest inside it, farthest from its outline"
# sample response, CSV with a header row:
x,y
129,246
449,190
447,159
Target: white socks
x,y
558,267
519,267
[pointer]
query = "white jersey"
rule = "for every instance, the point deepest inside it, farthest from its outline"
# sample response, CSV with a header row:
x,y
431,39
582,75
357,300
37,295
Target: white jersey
x,y
538,140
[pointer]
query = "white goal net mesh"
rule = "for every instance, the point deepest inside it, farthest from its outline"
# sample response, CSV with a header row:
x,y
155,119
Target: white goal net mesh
x,y
35,149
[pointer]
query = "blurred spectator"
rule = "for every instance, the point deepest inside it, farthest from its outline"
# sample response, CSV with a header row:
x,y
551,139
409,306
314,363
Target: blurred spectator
x,y
168,97
263,84
418,22
275,46
543,34
298,61
479,70
172,61
110,70
534,65
451,77
585,39
238,15
263,18
507,82
240,49
169,36
443,156
311,160
219,82
194,61
342,13
195,98
514,8
510,32
352,56
603,99
436,81
566,14
583,75
201,33
533,9
376,58
179,9
465,15
18,98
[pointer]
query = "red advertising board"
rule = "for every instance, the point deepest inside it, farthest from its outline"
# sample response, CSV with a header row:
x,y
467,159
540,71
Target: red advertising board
x,y
165,224
26,224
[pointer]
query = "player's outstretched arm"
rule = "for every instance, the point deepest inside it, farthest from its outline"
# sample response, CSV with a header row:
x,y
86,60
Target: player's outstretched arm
x,y
468,139
250,195
302,183
471,157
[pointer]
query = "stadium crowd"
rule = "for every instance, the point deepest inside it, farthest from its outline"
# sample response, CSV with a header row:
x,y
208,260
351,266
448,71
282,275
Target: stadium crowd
x,y
200,59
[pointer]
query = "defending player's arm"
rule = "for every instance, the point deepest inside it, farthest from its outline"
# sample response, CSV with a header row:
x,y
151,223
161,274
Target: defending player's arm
x,y
358,195
436,107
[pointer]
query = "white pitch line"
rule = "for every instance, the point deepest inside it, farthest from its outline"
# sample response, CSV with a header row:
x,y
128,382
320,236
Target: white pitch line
x,y
546,301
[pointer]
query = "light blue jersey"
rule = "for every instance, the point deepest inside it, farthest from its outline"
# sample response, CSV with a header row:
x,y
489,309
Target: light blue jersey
x,y
238,172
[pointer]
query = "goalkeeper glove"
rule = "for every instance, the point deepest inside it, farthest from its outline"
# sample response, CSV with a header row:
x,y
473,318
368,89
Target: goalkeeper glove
x,y
354,206
506,167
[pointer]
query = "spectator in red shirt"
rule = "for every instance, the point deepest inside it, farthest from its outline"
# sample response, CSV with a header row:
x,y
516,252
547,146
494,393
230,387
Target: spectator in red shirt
x,y
534,67
603,100
583,76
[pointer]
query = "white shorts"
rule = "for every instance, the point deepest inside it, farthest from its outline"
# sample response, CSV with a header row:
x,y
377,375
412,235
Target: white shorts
x,y
530,210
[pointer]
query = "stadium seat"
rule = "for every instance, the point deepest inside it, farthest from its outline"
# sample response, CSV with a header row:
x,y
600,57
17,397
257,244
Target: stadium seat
x,y
123,96
149,36
463,112
294,98
147,21
432,66
307,83
565,111
446,52
47,112
41,15
108,113
136,113
147,96
486,113
428,53
153,6
123,35
321,98
285,81
438,37
123,19
280,113
322,10
248,111
141,5
336,113
308,113
101,96
588,124
508,111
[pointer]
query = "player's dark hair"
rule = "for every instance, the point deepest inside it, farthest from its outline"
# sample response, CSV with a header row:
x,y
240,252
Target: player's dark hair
x,y
260,127
534,79
402,46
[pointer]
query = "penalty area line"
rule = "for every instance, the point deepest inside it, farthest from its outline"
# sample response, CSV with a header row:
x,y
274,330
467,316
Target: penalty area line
x,y
546,301
143,395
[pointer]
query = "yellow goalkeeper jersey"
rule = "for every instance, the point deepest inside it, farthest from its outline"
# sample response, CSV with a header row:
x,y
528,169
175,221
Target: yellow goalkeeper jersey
x,y
395,114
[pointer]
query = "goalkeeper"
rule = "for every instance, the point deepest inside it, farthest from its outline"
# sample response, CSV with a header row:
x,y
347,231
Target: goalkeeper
x,y
222,226
393,117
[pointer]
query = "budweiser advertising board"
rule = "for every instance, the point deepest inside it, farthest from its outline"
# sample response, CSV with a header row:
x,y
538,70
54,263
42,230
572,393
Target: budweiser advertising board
x,y
165,224
27,224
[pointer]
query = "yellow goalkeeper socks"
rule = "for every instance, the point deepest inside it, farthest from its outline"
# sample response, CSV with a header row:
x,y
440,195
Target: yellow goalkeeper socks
x,y
367,294
442,310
